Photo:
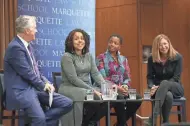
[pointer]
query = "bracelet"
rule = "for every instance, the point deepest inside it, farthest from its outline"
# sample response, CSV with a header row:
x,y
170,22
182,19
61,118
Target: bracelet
x,y
125,87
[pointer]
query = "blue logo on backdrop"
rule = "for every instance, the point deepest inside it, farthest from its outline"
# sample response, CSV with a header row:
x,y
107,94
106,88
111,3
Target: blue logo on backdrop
x,y
55,19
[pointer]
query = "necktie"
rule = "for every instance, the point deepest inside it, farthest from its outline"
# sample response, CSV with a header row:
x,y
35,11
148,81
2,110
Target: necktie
x,y
35,66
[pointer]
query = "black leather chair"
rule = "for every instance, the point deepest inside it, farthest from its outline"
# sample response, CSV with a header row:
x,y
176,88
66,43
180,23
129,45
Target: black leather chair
x,y
57,80
181,109
13,115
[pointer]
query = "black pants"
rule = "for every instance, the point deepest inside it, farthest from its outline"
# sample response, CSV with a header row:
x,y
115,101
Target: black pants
x,y
166,92
125,110
93,111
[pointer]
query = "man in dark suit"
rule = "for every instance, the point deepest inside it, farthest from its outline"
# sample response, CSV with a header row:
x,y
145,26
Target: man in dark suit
x,y
25,86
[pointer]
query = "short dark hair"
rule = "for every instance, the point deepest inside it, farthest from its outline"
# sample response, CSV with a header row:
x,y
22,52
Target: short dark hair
x,y
118,36
69,41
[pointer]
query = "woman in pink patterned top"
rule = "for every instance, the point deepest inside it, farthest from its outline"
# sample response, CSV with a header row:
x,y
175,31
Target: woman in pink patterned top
x,y
115,68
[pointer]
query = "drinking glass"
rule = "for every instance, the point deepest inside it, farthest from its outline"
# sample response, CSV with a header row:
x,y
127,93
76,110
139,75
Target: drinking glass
x,y
132,93
106,90
89,94
114,92
147,94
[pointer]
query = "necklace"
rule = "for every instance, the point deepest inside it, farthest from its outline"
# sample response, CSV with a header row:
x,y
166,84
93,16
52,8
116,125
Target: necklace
x,y
163,61
115,59
81,61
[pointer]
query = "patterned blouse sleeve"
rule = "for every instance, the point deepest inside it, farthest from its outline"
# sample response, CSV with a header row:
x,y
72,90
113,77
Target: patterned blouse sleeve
x,y
100,66
127,74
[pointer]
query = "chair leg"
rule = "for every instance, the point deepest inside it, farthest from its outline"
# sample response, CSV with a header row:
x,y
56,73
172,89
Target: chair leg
x,y
183,107
13,119
179,113
1,117
134,119
2,112
106,120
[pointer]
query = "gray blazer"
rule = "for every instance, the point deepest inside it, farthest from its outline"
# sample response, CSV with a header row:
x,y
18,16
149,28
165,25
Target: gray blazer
x,y
76,74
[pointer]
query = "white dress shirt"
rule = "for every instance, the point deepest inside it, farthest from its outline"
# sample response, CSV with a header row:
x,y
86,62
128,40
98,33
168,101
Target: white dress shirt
x,y
26,46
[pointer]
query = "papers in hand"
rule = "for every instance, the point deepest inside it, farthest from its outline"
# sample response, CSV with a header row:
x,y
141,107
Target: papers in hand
x,y
50,98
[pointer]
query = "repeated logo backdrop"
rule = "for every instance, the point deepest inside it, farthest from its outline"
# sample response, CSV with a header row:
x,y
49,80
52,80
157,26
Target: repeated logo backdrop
x,y
55,19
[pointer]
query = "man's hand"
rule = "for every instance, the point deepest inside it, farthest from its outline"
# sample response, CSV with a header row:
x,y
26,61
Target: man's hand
x,y
49,87
153,90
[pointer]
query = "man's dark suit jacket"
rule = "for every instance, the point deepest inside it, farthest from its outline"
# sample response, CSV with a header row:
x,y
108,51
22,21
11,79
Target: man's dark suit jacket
x,y
19,77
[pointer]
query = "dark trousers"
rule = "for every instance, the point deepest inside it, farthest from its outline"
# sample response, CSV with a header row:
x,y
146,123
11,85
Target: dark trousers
x,y
166,92
93,111
37,117
125,110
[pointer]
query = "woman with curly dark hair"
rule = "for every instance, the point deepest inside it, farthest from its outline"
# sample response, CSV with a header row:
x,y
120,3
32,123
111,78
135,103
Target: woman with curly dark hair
x,y
78,66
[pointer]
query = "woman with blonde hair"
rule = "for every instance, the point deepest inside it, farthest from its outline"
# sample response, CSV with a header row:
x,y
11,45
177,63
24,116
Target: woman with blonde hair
x,y
164,75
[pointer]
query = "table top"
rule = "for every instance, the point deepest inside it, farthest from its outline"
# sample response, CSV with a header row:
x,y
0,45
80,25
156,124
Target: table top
x,y
119,100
